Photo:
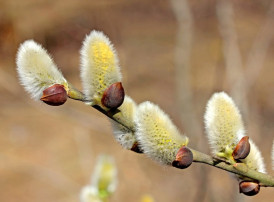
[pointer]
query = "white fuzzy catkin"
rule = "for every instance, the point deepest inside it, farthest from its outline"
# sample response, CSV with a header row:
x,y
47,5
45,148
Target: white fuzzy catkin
x,y
223,123
224,128
36,69
90,194
99,66
254,160
157,136
123,135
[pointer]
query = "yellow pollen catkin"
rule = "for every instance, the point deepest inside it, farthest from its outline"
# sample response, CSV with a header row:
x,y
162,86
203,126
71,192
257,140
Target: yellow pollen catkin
x,y
99,67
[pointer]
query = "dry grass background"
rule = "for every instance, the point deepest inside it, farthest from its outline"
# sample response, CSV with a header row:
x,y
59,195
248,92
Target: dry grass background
x,y
48,153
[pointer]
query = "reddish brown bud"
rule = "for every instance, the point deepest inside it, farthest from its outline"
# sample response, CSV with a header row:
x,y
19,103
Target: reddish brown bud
x,y
136,148
55,95
249,188
242,149
183,159
113,96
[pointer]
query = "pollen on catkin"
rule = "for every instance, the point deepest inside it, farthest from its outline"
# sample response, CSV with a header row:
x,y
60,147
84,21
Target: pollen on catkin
x,y
36,69
254,160
157,135
123,135
223,124
99,66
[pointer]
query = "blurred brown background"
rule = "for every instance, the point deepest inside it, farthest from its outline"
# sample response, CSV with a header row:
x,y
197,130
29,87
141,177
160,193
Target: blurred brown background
x,y
175,53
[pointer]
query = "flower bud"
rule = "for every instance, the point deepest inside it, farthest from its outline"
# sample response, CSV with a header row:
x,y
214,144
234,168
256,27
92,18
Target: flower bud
x,y
249,188
136,148
242,149
113,96
55,95
183,159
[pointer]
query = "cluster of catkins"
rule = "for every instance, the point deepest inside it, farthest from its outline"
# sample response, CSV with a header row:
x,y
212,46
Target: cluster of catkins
x,y
143,128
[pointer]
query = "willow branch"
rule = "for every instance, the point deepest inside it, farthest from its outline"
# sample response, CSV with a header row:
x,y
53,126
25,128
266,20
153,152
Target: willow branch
x,y
239,169
114,115
199,157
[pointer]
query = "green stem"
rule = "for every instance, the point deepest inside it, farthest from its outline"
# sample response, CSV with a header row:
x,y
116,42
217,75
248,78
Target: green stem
x,y
75,94
263,179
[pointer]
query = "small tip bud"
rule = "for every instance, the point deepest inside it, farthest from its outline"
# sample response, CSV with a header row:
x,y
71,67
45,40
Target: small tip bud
x,y
242,149
249,188
54,95
183,159
136,148
113,96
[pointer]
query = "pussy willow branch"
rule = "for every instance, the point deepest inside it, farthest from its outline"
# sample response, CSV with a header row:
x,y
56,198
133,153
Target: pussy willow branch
x,y
240,169
199,157
112,114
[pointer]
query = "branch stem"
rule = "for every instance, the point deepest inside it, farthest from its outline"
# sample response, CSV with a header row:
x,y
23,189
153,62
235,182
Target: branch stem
x,y
263,179
113,115
199,157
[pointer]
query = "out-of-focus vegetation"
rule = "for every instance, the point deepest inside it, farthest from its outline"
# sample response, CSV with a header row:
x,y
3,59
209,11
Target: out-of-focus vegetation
x,y
47,153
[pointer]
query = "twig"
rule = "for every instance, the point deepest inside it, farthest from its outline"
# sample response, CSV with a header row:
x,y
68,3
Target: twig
x,y
113,115
199,157
264,179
